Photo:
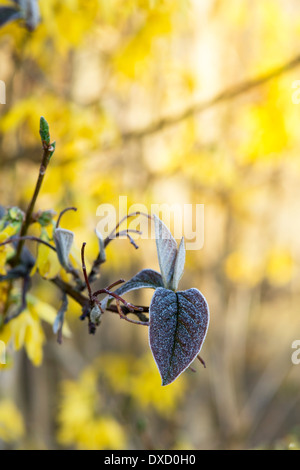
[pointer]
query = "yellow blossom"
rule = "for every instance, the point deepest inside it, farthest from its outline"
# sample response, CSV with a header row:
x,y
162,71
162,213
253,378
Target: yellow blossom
x,y
26,330
79,420
11,422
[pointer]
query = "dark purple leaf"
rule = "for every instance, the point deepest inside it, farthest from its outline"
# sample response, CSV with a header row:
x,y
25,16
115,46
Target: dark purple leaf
x,y
144,279
178,326
8,14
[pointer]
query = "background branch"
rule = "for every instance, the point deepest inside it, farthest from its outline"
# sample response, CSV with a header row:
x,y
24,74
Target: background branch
x,y
225,95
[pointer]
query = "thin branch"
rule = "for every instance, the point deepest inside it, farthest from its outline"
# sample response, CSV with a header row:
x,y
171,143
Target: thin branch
x,y
85,272
48,151
28,237
121,314
131,307
125,311
71,291
116,283
202,361
121,234
113,233
63,212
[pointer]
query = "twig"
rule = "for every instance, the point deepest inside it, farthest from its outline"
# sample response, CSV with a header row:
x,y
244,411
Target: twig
x,y
202,361
140,314
48,151
85,272
71,291
62,213
129,319
28,237
113,232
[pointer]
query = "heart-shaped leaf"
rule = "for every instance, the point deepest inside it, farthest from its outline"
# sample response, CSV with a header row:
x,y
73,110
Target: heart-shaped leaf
x,y
166,251
178,326
147,278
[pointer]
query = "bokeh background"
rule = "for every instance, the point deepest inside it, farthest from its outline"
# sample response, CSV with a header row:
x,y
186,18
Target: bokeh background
x,y
103,73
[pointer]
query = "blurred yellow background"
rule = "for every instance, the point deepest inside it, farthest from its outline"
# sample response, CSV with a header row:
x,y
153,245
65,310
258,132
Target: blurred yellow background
x,y
103,73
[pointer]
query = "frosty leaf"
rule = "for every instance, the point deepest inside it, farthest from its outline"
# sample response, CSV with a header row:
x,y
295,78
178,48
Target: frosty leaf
x,y
147,278
143,279
179,265
166,251
178,326
63,241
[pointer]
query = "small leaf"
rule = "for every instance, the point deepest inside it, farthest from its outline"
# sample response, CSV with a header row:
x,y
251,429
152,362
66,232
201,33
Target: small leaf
x,y
179,266
63,241
95,315
52,149
178,326
8,14
143,279
32,14
147,278
166,251
46,217
44,131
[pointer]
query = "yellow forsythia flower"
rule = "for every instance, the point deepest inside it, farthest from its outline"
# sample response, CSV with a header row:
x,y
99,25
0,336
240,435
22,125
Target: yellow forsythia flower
x,y
80,423
140,379
26,329
11,422
146,389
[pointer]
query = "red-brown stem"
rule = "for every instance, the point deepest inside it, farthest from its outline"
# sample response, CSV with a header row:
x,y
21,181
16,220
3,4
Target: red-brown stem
x,y
116,283
84,272
62,213
133,214
202,361
124,317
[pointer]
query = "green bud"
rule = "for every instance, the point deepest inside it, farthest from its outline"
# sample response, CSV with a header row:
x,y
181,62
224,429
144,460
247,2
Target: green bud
x,y
14,214
44,131
46,217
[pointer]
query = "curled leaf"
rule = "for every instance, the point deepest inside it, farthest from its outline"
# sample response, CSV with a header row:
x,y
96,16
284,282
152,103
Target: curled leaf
x,y
63,241
179,266
166,251
178,326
